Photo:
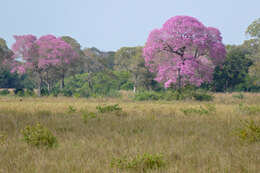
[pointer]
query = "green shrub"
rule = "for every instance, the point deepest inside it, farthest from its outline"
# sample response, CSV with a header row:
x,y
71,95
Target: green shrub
x,y
4,92
239,96
71,109
86,116
142,163
39,136
19,92
3,138
148,95
109,108
202,110
76,95
200,96
250,110
249,131
173,95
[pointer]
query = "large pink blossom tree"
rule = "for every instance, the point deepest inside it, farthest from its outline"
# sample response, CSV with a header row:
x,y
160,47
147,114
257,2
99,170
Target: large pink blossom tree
x,y
40,55
184,51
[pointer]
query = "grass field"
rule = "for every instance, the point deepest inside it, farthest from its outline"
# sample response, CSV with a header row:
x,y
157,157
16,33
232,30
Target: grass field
x,y
189,136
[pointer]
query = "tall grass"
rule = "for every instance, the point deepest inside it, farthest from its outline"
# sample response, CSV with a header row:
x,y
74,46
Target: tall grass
x,y
194,143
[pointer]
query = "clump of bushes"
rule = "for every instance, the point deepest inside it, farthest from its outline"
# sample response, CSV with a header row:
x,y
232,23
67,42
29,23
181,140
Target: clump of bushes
x,y
24,92
141,163
71,109
148,95
39,136
173,95
3,138
4,92
249,131
202,110
108,108
238,96
249,110
202,96
86,116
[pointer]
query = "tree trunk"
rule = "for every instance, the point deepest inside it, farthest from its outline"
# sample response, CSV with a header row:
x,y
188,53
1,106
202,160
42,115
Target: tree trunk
x,y
39,87
179,79
134,90
62,82
49,87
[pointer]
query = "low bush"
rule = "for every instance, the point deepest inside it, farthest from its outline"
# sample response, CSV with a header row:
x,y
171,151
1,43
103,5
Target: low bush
x,y
71,109
173,95
109,108
202,96
39,136
141,163
4,92
202,110
249,110
148,95
238,96
86,116
248,132
3,138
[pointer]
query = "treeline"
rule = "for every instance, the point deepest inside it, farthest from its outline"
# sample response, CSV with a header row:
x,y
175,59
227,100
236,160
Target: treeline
x,y
99,73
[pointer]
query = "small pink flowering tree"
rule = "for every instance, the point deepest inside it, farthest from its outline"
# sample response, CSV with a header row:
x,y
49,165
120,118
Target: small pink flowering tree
x,y
184,51
40,55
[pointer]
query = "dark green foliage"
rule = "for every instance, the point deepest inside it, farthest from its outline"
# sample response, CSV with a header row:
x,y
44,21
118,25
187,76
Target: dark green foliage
x,y
233,75
141,163
148,95
202,96
4,92
109,108
248,132
202,110
95,85
239,96
39,136
71,109
174,95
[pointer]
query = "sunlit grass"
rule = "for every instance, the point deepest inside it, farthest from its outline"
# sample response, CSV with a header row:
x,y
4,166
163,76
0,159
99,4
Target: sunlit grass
x,y
187,143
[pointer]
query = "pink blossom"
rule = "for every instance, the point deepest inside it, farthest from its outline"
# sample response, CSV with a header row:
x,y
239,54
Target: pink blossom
x,y
184,49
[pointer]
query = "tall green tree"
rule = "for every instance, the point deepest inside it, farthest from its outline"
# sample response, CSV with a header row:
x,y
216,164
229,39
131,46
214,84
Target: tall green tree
x,y
234,71
130,59
253,46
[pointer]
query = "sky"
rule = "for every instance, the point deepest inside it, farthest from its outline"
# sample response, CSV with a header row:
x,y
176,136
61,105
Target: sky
x,y
111,24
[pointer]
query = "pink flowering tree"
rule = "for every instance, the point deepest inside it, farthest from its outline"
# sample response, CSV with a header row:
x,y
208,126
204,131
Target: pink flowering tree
x,y
40,56
184,51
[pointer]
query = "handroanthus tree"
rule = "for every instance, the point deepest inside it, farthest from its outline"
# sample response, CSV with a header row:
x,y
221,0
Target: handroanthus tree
x,y
40,56
184,51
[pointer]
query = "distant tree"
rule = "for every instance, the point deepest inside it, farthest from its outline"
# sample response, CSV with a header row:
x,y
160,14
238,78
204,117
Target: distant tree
x,y
253,46
100,60
234,71
5,54
39,56
130,59
184,51
254,29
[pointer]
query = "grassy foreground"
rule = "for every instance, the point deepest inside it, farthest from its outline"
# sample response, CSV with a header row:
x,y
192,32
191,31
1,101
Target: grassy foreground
x,y
188,141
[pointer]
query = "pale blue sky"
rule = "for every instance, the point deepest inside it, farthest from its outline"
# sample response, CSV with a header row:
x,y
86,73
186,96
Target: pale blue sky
x,y
111,24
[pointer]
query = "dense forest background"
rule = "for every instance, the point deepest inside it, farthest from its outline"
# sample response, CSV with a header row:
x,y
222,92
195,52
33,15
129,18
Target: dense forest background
x,y
99,73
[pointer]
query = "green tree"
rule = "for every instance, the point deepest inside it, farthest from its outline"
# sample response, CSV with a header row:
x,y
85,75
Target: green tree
x,y
253,46
130,59
234,71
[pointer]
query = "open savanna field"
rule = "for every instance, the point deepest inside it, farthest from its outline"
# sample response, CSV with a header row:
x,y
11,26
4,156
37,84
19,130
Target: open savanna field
x,y
160,136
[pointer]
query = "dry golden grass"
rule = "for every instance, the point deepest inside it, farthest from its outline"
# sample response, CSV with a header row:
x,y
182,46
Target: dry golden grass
x,y
189,143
